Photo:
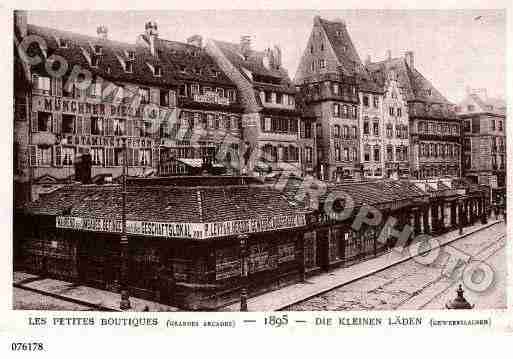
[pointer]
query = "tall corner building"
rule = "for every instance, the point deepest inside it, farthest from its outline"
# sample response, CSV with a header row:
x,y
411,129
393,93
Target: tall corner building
x,y
346,101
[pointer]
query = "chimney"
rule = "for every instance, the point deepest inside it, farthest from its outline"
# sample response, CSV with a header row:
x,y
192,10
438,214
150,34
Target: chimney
x,y
410,60
276,56
20,23
389,55
368,60
152,33
245,44
195,40
317,20
102,32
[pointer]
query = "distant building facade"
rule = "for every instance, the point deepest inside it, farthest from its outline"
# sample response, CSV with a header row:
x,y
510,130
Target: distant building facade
x,y
484,137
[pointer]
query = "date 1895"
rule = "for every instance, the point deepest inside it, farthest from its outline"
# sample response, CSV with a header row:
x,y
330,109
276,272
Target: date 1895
x,y
27,347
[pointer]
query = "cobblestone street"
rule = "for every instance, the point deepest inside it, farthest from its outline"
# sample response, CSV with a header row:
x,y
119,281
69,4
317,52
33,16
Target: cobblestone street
x,y
411,285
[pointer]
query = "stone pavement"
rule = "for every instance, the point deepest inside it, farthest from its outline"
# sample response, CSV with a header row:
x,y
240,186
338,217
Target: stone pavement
x,y
79,294
325,282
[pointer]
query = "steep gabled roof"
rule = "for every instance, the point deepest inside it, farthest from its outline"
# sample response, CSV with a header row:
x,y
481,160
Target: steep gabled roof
x,y
173,58
415,86
343,47
498,106
254,62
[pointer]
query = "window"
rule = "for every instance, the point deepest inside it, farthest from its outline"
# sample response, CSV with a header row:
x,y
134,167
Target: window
x,y
344,108
279,98
64,43
308,130
336,110
144,157
144,94
389,130
267,124
366,153
337,153
44,121
67,125
322,63
405,153
131,55
96,125
95,60
376,101
291,100
390,153
41,84
398,154
69,90
322,46
335,89
377,151
308,154
164,98
68,156
366,130
353,132
375,128
391,111
96,156
399,112
44,155
346,131
268,97
311,49
500,126
182,90
354,156
312,66
119,126
366,101
157,72
129,66
195,89
231,95
336,131
470,108
96,89
220,92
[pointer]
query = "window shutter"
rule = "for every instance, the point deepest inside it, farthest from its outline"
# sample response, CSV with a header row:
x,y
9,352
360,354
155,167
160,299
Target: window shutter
x,y
109,154
79,125
105,121
57,156
34,121
86,127
130,156
136,157
58,87
110,127
57,122
172,98
154,155
33,156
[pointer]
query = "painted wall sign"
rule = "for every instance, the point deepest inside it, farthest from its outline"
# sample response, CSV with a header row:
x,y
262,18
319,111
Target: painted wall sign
x,y
182,229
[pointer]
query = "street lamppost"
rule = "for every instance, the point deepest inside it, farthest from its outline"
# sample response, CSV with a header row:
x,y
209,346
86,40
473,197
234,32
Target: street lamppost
x,y
124,304
243,242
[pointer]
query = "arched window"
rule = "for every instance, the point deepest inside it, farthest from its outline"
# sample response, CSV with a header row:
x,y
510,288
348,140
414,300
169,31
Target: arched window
x,y
346,131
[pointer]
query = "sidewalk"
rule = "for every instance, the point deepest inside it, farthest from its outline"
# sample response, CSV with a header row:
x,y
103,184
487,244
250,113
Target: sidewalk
x,y
327,281
97,298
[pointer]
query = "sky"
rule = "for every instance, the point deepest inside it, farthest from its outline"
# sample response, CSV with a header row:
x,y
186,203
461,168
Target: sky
x,y
454,49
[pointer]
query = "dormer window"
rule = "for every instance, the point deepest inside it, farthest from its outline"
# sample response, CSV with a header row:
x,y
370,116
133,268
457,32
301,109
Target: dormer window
x,y
95,60
64,43
129,67
195,89
220,92
183,69
215,73
131,55
97,49
157,71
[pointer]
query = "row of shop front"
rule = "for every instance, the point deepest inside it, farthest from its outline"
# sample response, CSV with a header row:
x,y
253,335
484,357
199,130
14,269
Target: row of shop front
x,y
208,273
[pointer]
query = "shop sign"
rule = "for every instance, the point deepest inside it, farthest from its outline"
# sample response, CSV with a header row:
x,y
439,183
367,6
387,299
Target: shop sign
x,y
211,97
183,229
